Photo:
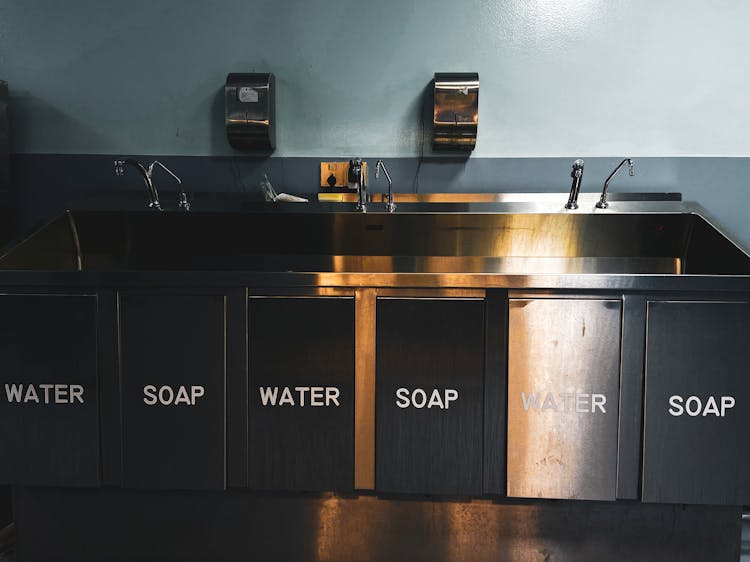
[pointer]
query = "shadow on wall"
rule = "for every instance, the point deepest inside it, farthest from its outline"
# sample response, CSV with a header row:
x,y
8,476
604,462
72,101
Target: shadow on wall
x,y
446,165
242,178
4,164
34,118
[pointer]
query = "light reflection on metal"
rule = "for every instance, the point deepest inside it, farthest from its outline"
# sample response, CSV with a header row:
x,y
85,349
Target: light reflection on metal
x,y
364,389
563,380
602,203
455,111
577,175
250,111
585,199
662,238
390,206
76,240
329,515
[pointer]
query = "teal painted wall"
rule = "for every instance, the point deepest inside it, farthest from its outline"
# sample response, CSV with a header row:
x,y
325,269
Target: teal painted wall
x,y
562,78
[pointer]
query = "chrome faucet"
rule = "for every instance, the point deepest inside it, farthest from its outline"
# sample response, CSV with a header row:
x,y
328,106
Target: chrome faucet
x,y
602,204
390,206
147,174
357,174
577,175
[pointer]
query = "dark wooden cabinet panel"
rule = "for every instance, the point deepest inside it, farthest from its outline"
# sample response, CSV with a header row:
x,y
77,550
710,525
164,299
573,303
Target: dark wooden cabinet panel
x,y
563,391
49,413
301,393
429,396
172,354
697,403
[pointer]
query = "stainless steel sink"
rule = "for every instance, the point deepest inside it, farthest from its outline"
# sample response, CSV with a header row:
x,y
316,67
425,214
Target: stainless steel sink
x,y
404,242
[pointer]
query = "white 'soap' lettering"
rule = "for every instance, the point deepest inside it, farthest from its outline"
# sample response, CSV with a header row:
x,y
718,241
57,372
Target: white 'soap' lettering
x,y
168,396
418,398
694,406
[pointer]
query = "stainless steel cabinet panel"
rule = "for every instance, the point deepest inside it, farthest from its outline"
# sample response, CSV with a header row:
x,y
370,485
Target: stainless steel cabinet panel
x,y
563,379
49,396
697,403
301,393
173,386
429,396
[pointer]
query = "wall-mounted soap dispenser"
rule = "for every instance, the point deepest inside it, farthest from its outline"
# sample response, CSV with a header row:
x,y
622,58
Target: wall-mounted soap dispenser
x,y
455,111
250,111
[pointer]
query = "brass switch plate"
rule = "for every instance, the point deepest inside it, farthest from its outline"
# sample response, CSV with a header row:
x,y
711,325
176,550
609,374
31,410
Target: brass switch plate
x,y
338,171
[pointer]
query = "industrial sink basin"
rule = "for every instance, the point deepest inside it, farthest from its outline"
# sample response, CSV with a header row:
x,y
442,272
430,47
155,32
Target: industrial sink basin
x,y
404,242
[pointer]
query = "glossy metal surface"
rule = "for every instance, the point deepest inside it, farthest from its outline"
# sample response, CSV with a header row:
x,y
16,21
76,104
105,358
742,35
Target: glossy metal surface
x,y
563,376
575,188
602,203
516,243
390,206
456,111
364,389
151,191
250,111
586,199
357,174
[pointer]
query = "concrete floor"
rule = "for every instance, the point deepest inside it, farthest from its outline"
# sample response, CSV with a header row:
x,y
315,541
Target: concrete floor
x,y
744,553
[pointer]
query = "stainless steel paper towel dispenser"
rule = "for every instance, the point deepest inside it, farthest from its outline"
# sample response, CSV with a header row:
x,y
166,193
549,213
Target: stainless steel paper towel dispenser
x,y
250,111
456,111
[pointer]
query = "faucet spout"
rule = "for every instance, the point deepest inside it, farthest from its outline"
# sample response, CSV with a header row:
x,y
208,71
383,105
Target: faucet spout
x,y
153,195
356,173
603,204
575,189
147,174
390,206
182,199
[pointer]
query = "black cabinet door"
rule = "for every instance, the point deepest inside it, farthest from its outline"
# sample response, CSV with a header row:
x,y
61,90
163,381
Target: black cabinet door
x,y
49,414
697,404
301,393
172,357
429,396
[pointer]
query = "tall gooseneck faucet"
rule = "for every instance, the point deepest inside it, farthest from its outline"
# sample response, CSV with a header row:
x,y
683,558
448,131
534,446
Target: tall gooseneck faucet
x,y
153,195
390,206
357,173
577,175
602,204
147,174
